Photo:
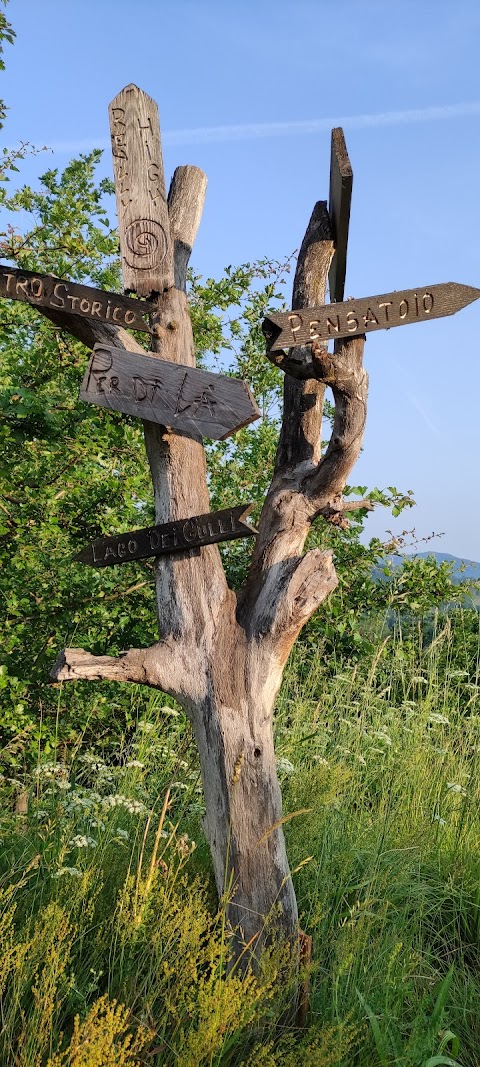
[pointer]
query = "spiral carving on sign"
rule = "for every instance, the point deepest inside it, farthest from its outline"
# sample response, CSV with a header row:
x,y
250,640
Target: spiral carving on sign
x,y
146,244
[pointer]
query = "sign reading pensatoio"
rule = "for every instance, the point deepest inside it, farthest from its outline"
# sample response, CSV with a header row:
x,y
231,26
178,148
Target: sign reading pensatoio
x,y
355,317
60,295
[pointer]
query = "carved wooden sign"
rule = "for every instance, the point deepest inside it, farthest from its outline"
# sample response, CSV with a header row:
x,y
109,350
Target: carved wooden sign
x,y
341,180
61,295
355,317
189,401
169,537
144,229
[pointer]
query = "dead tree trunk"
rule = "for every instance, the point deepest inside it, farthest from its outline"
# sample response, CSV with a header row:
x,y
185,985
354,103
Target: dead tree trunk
x,y
222,655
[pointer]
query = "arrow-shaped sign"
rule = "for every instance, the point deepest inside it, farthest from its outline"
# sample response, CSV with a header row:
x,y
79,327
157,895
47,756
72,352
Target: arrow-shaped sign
x,y
187,400
169,537
61,295
356,317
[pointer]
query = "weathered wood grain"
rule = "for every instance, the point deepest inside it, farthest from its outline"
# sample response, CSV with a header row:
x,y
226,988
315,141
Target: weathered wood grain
x,y
143,223
61,295
341,181
185,205
188,401
353,318
165,538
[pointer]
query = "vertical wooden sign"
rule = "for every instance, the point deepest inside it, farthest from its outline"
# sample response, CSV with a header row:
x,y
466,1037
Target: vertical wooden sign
x,y
341,180
145,241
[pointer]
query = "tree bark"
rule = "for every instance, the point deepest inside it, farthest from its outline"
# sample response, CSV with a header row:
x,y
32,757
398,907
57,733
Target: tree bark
x,y
221,655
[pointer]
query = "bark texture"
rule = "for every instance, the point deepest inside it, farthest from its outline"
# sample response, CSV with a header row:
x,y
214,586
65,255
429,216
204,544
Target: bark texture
x,y
222,656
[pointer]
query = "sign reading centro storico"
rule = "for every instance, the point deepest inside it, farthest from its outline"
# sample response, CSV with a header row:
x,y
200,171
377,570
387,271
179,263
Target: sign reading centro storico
x,y
353,318
61,295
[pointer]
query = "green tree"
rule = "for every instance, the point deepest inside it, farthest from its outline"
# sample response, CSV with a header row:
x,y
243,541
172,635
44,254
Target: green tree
x,y
70,474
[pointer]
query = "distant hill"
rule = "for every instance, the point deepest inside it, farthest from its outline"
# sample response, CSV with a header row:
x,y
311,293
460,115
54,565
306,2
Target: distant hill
x,y
464,570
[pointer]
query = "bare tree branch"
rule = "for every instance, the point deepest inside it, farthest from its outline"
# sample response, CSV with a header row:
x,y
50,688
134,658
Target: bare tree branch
x,y
163,666
306,485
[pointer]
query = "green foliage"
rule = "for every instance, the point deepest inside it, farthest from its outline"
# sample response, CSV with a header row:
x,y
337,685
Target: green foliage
x,y
6,34
111,951
109,933
385,754
69,473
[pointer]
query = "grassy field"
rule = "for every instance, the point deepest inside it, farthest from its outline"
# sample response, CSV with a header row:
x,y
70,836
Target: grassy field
x,y
113,950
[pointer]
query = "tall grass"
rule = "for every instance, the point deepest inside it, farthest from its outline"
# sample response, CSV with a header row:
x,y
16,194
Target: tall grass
x,y
386,757
112,948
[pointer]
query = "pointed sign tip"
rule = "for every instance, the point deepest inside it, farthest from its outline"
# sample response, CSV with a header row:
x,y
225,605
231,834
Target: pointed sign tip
x,y
243,518
471,290
132,88
271,330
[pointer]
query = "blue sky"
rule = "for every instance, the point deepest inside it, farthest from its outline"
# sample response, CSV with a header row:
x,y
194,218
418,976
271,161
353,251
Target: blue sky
x,y
249,91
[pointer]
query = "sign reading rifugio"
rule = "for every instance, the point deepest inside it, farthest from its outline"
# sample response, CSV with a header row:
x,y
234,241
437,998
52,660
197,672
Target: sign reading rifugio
x,y
169,537
356,317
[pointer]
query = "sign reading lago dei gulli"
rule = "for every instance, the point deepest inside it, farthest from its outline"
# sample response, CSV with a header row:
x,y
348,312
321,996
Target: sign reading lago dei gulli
x,y
170,537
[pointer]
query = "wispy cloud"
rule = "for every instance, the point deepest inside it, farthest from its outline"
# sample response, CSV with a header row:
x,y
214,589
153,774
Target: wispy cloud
x,y
251,131
416,403
259,130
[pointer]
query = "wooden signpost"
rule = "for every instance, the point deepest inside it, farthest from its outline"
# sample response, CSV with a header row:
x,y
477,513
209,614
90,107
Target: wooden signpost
x,y
60,295
189,401
341,181
170,537
145,243
356,317
220,653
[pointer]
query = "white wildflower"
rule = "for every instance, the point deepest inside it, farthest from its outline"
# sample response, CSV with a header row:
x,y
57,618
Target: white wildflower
x,y
72,871
454,787
117,800
284,766
135,763
122,834
437,718
82,841
64,784
96,824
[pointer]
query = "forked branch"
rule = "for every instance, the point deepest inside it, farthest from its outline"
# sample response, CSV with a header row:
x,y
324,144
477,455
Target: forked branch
x,y
306,484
